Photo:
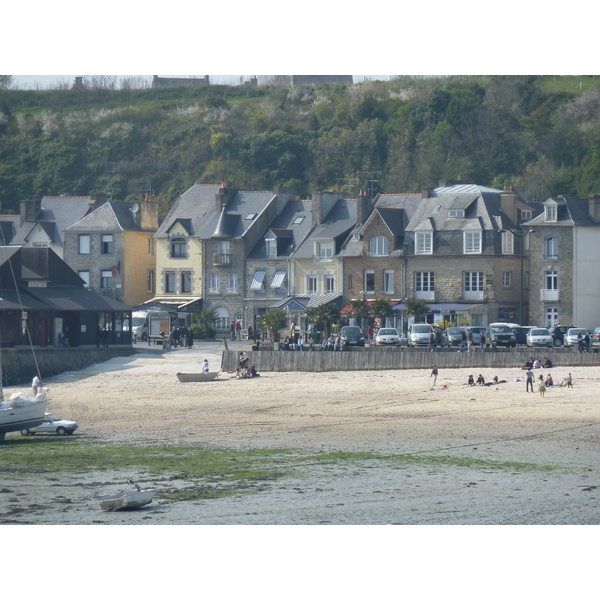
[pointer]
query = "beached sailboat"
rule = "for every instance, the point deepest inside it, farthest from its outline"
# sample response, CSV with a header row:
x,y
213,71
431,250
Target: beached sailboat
x,y
133,497
21,410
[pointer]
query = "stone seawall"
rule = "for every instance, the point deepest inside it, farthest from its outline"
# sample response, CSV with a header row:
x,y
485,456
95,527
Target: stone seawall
x,y
376,359
19,365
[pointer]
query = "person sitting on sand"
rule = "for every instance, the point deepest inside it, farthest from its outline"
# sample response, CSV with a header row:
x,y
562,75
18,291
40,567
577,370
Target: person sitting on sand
x,y
480,380
529,363
205,366
495,381
471,380
536,364
547,364
549,381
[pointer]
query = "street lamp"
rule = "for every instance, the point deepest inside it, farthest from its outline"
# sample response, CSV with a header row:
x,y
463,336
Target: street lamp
x,y
521,234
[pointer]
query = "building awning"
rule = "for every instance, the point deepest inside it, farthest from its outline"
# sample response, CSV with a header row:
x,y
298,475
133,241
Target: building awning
x,y
168,301
441,307
278,279
258,280
348,307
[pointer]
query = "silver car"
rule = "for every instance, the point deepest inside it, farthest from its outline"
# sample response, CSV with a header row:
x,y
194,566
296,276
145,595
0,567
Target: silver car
x,y
418,334
539,337
571,336
387,336
53,424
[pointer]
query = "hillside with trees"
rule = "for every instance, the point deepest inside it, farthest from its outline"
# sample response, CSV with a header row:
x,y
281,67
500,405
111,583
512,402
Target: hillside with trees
x,y
539,134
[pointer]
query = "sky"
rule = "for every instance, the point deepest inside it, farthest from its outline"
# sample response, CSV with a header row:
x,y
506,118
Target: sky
x,y
262,38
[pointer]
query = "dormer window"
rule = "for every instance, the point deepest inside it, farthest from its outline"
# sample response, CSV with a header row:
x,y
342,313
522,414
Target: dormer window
x,y
457,214
324,250
378,246
271,246
526,215
178,247
550,212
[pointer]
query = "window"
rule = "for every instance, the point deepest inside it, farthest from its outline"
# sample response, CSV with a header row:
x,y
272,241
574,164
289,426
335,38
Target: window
x,y
221,322
369,282
457,214
170,282
85,275
311,284
507,279
178,247
232,283
297,220
324,250
257,282
350,282
424,242
388,282
551,247
329,284
271,246
250,217
551,280
84,244
186,282
424,281
526,214
107,244
278,282
378,246
472,242
473,285
222,253
150,246
508,242
550,212
151,280
551,316
214,283
105,279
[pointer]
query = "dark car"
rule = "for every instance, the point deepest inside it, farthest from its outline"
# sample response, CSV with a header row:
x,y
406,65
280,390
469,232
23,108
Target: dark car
x,y
453,336
521,335
500,335
558,334
352,336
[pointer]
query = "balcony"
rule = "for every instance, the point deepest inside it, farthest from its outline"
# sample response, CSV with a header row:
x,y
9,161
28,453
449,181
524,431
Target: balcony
x,y
221,259
549,295
425,295
473,295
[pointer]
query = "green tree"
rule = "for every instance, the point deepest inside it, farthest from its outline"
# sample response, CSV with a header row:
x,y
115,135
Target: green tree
x,y
274,321
323,317
382,309
416,308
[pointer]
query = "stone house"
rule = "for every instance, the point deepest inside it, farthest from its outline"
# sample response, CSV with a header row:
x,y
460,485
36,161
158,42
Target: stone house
x,y
461,255
112,249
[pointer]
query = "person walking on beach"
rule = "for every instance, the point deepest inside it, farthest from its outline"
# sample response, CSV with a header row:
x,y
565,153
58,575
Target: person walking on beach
x,y
434,373
529,380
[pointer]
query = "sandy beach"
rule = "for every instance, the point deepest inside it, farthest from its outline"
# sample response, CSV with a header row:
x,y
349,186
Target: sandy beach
x,y
138,400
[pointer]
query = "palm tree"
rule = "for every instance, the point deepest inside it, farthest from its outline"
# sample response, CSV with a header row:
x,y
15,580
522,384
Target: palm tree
x,y
416,308
382,309
274,321
324,316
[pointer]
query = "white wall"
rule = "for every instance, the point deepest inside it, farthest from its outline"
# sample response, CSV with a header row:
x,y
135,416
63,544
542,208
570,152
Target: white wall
x,y
586,277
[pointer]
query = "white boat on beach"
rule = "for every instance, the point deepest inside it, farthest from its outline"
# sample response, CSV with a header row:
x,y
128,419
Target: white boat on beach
x,y
133,497
21,411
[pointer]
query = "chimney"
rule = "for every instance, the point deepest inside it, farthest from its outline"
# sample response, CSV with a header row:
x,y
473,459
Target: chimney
x,y
363,207
225,194
98,199
322,203
426,193
30,209
148,213
594,207
508,203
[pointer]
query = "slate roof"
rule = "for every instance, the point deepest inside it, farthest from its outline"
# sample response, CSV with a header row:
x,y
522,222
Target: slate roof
x,y
110,216
336,226
570,211
56,214
290,236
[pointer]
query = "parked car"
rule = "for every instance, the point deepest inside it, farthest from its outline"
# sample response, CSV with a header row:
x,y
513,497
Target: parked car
x,y
418,334
53,424
595,338
453,336
352,336
476,331
539,337
387,336
571,336
521,335
500,335
558,334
